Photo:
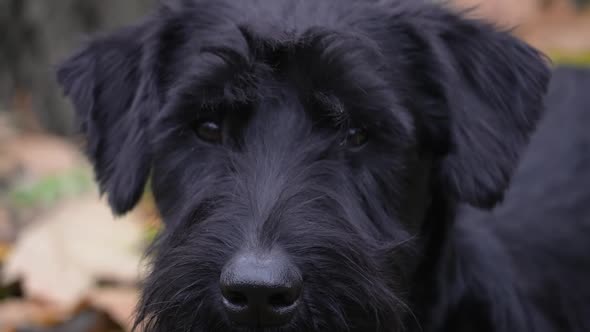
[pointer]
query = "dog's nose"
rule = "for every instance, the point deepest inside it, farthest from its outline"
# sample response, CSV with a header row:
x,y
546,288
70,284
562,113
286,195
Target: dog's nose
x,y
261,289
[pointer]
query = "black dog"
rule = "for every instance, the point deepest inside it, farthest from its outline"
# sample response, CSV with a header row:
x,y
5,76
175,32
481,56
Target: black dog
x,y
308,158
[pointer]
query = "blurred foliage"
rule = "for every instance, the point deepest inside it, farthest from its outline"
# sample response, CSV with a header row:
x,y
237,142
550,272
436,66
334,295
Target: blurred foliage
x,y
49,190
148,203
152,232
581,59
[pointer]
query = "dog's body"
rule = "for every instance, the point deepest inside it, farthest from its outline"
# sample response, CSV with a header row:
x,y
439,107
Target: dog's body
x,y
537,241
308,158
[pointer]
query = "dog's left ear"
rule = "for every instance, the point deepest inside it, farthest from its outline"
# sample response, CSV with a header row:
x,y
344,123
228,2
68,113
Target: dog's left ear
x,y
110,90
482,95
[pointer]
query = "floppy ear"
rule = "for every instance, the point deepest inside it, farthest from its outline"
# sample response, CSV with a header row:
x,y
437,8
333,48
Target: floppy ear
x,y
110,90
485,92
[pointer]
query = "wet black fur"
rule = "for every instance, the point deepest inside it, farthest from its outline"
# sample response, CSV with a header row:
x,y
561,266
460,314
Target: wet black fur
x,y
449,104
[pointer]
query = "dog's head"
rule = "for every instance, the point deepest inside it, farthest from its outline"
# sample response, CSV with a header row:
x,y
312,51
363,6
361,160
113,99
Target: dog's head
x,y
300,151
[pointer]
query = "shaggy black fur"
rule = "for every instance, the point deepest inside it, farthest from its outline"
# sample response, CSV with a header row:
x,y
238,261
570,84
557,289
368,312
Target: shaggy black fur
x,y
348,134
531,256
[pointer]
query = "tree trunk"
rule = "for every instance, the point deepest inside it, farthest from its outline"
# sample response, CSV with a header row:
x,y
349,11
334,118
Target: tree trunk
x,y
36,35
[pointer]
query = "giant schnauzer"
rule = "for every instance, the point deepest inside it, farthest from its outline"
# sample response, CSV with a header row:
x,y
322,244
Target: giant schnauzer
x,y
308,158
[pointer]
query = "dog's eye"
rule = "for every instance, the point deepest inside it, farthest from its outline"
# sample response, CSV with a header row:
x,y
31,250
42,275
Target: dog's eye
x,y
356,137
209,131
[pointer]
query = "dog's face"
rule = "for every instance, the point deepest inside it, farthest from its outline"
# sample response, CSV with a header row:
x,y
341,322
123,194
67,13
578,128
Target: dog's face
x,y
300,153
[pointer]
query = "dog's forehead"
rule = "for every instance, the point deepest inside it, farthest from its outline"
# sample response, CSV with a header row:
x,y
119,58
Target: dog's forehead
x,y
332,71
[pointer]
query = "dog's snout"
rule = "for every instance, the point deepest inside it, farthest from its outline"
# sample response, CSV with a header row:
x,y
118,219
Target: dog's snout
x,y
261,289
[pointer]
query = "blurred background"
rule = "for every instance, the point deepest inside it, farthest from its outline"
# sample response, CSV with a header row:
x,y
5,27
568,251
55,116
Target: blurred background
x,y
65,264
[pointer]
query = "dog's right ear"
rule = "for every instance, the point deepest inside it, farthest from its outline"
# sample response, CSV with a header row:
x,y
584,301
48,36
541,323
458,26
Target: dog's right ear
x,y
109,87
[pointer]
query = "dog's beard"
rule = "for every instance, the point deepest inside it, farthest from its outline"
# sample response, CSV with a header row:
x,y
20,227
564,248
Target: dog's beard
x,y
348,287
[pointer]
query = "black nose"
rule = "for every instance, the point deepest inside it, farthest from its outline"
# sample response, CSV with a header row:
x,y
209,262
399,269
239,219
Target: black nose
x,y
260,289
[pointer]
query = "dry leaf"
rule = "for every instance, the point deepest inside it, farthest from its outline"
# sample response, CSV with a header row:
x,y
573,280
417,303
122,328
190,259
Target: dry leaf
x,y
61,257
